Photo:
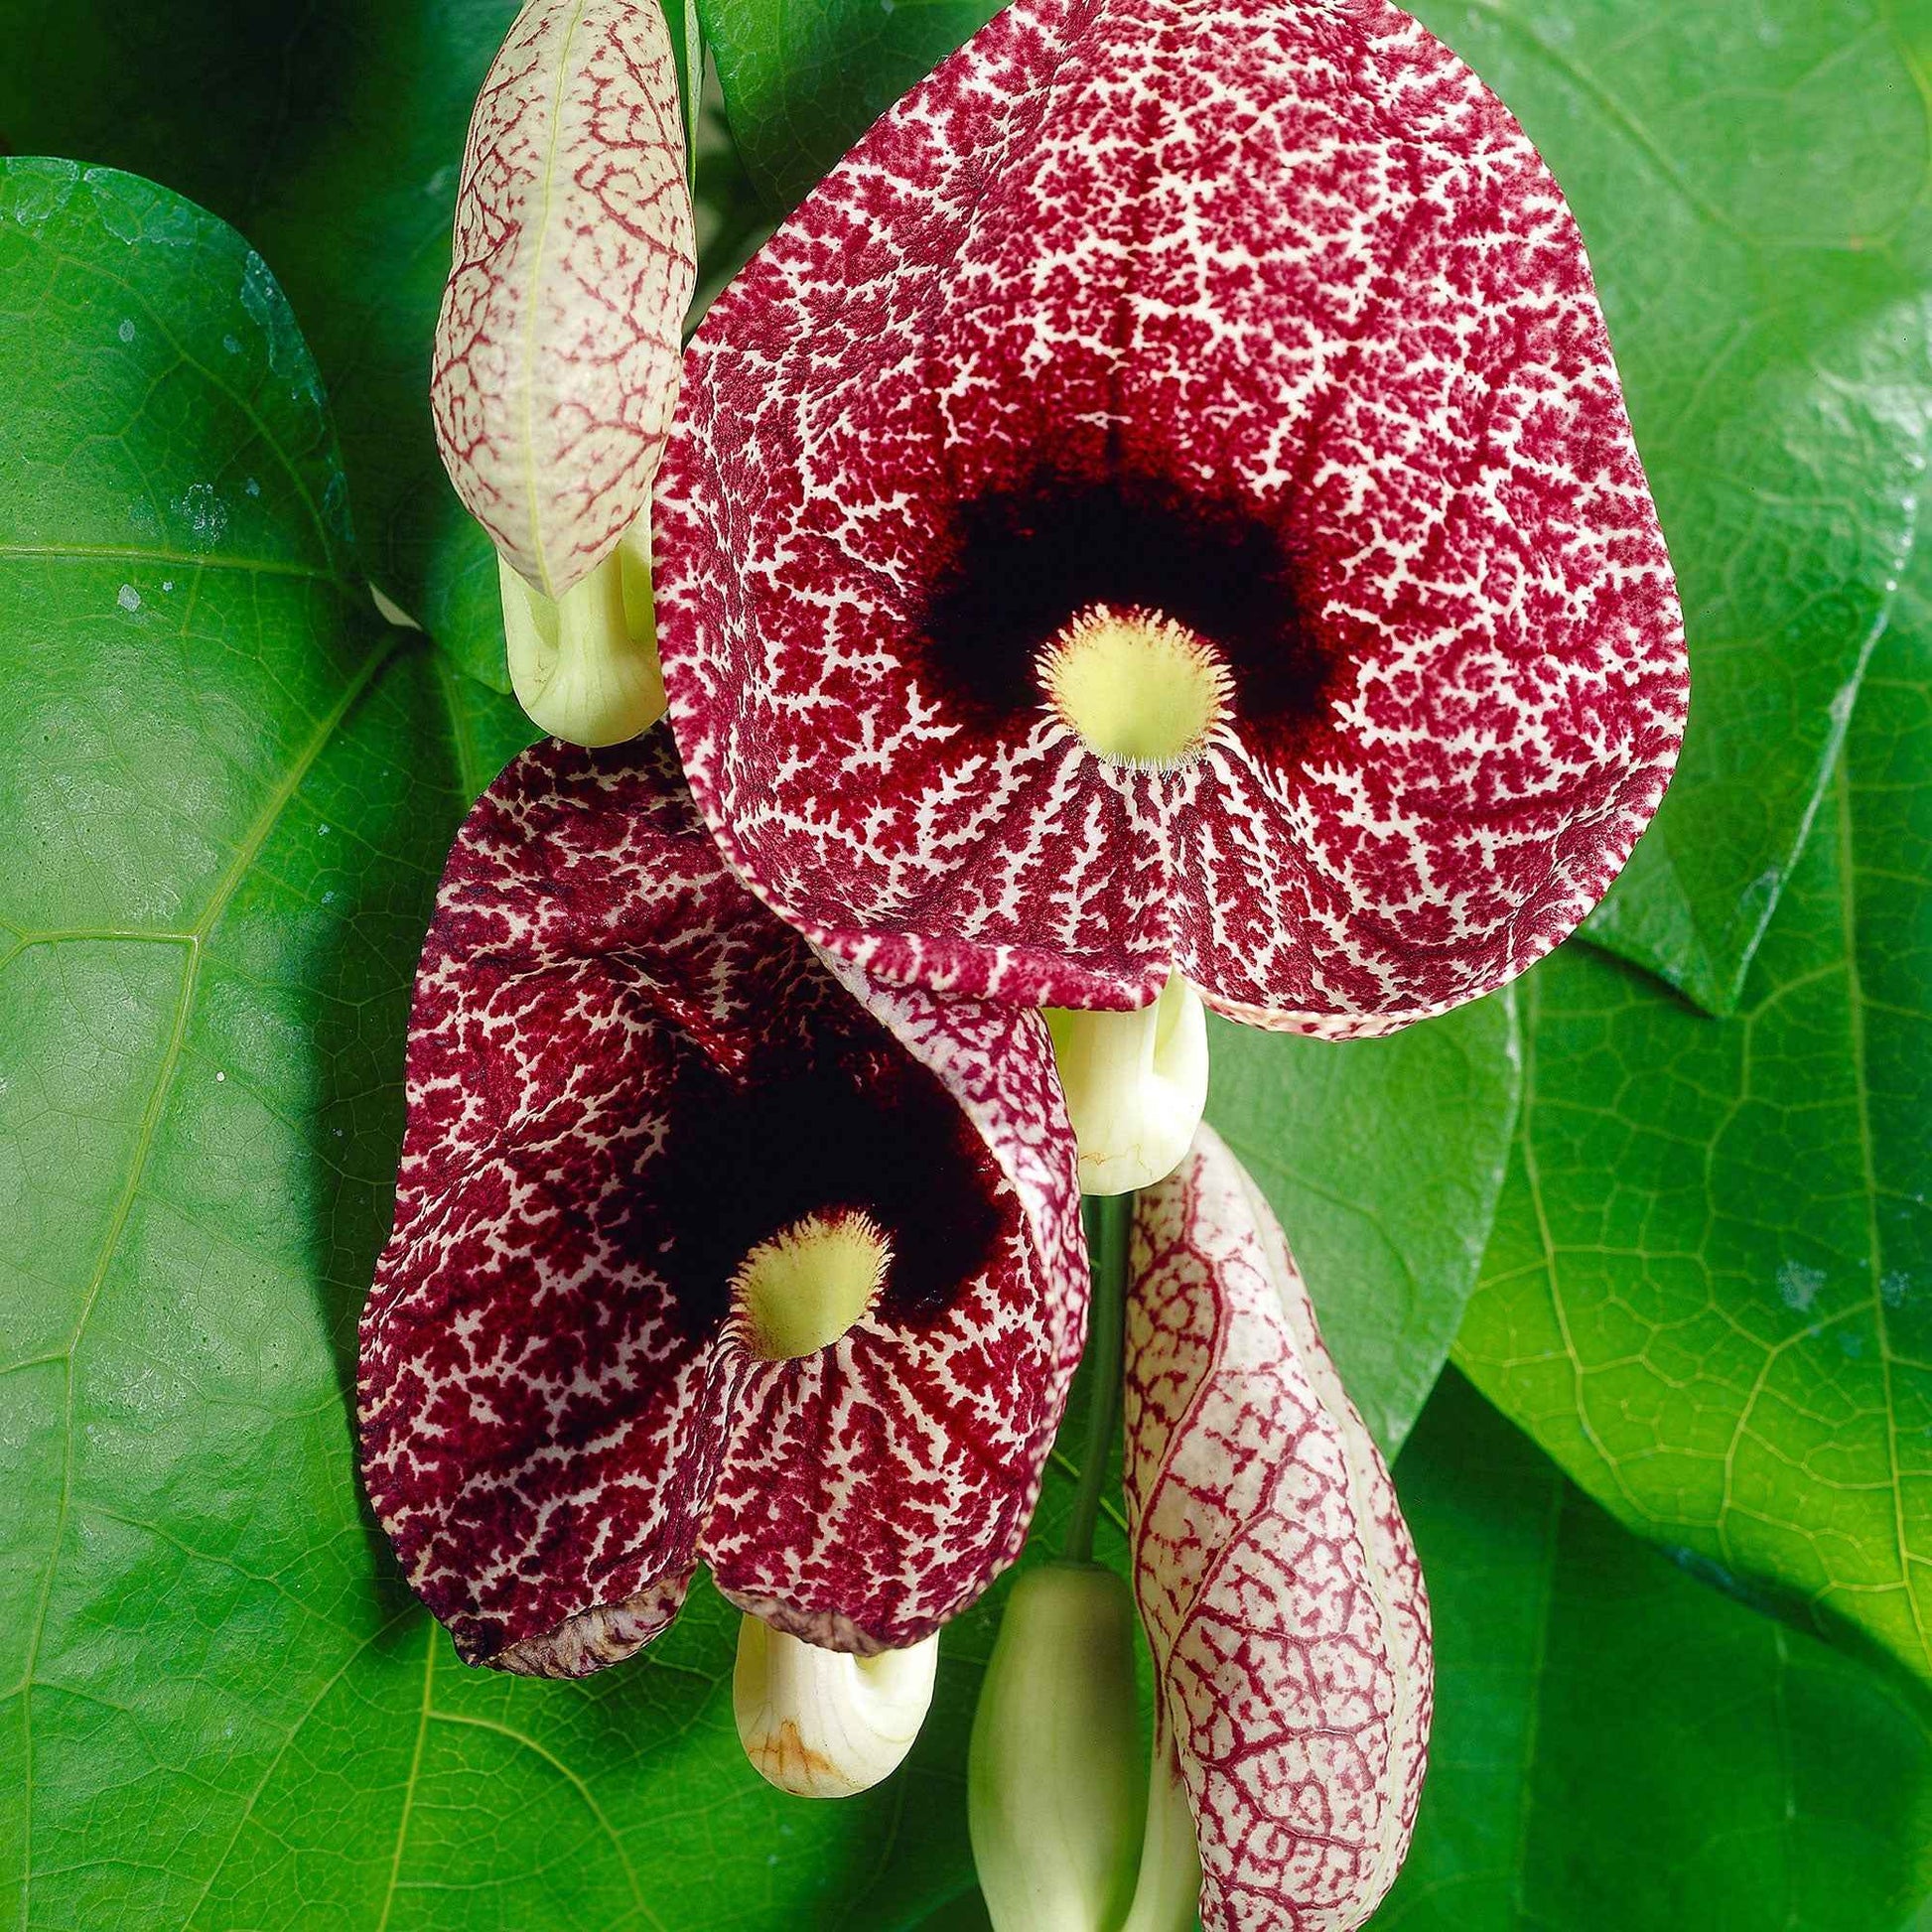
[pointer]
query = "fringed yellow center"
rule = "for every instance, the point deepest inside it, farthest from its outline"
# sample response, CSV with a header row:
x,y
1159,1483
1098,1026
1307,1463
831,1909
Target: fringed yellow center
x,y
1135,687
806,1286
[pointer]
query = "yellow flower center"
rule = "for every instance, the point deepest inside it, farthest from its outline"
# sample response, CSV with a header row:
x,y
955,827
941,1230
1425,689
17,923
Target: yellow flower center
x,y
806,1286
1135,687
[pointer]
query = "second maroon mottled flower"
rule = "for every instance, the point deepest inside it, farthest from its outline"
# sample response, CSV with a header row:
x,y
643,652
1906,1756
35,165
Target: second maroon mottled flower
x,y
704,1250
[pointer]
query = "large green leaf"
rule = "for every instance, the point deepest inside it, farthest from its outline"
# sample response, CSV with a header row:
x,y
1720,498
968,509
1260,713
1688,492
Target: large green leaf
x,y
1383,1159
1620,1748
1752,185
1709,1287
225,789
329,136
804,79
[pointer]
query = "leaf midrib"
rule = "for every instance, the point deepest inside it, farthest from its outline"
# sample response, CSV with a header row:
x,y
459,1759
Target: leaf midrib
x,y
142,1153
1874,1237
172,559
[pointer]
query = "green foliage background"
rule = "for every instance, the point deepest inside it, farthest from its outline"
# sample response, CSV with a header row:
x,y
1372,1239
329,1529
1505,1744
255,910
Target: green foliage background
x,y
1666,1204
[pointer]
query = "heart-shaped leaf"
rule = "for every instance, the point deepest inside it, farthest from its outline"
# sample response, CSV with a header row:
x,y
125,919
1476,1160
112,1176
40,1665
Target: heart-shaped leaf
x,y
332,138
804,79
225,794
1709,1293
227,789
1619,1748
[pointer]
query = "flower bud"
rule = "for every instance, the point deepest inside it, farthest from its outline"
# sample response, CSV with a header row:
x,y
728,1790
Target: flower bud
x,y
823,1723
585,665
559,344
1167,1893
1136,1085
1054,1788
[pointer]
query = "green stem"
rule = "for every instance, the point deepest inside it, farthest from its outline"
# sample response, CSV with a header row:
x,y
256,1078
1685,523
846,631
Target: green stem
x,y
1110,1220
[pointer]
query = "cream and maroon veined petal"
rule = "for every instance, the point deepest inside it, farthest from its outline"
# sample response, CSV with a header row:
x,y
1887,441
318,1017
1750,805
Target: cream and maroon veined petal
x,y
557,348
635,1098
872,1492
1164,502
1277,1581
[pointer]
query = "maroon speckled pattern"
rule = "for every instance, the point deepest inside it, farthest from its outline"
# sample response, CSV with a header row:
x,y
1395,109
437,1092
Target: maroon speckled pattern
x,y
557,347
1277,1581
1283,269
560,1415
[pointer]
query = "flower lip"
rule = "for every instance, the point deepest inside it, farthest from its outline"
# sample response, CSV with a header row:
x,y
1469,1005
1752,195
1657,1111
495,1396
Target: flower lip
x,y
625,1076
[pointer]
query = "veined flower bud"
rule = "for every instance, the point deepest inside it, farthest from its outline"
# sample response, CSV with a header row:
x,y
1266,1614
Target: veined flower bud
x,y
1055,1788
1167,1893
1136,1085
558,348
823,1723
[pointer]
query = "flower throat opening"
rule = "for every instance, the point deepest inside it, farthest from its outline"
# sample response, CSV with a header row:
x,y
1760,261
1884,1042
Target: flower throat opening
x,y
828,1178
1142,614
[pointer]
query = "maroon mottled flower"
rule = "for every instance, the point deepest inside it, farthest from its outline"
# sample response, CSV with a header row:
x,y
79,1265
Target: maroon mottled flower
x,y
704,1250
1278,1585
1164,502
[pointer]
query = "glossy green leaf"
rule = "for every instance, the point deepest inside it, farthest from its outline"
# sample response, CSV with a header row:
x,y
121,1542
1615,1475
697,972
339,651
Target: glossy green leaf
x,y
1383,1159
966,1913
225,792
1620,1748
1753,184
804,79
332,138
1709,1287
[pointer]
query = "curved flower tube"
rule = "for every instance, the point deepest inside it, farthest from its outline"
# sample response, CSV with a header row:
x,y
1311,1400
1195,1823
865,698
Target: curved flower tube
x,y
557,349
823,1723
1165,504
704,1250
1277,1583
1135,1086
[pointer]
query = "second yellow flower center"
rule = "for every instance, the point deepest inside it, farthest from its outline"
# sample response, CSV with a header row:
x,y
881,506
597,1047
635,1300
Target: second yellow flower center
x,y
801,1290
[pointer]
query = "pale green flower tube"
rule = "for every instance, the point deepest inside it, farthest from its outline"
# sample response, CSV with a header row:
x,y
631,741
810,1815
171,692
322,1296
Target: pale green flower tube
x,y
1055,1783
820,1724
1135,1086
